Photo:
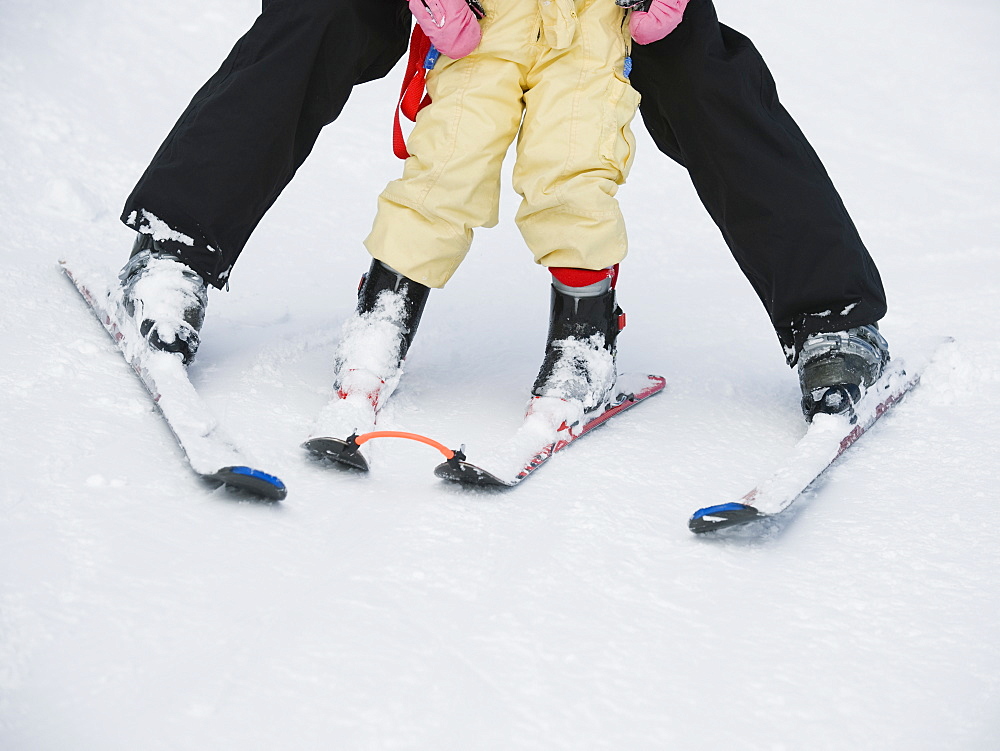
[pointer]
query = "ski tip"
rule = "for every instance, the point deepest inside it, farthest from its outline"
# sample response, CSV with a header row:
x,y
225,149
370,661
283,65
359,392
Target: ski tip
x,y
655,385
252,481
640,385
455,470
337,450
712,518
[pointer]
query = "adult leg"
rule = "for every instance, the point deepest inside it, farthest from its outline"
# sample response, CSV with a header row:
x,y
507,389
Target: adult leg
x,y
249,128
709,102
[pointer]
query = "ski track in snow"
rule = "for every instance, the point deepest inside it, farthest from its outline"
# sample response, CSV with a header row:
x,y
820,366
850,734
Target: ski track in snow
x,y
140,608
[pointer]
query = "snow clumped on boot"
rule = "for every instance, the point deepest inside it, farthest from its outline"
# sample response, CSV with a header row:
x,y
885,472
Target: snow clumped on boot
x,y
376,338
167,300
579,365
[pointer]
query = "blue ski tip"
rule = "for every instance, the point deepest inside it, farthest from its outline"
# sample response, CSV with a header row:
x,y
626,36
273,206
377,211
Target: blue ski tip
x,y
722,516
252,481
259,475
719,509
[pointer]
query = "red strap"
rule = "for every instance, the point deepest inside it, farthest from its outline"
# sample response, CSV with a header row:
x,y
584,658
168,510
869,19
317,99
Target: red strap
x,y
411,96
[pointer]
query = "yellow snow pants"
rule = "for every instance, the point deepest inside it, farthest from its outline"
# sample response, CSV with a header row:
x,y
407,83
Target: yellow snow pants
x,y
551,73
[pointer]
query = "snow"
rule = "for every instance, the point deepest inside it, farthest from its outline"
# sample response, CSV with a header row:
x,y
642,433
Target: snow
x,y
167,292
367,359
159,229
580,357
140,608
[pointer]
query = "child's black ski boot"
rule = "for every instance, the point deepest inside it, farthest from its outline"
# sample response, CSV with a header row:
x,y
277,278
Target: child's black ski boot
x,y
579,363
378,335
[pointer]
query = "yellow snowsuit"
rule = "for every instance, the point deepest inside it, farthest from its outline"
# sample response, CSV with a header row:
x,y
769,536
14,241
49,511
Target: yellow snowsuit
x,y
557,63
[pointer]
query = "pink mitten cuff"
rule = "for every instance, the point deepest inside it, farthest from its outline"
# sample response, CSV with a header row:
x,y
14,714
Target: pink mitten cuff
x,y
662,17
449,24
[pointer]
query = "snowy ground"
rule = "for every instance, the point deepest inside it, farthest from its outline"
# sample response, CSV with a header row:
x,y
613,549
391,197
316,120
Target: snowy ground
x,y
142,610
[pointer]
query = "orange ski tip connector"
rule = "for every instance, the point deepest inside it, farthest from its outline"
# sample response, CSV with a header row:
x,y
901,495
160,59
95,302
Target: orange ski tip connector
x,y
365,437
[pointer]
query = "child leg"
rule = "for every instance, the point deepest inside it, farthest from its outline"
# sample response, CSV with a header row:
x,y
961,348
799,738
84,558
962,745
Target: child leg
x,y
451,182
423,229
576,147
574,150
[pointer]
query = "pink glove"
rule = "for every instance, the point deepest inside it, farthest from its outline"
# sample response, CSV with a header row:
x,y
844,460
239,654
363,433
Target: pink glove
x,y
662,18
449,24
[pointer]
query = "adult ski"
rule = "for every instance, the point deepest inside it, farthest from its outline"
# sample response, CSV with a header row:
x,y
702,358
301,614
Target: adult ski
x,y
826,439
549,426
210,452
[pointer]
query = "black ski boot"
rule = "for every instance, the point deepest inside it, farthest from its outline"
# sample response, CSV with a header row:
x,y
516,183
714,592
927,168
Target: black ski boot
x,y
836,369
377,337
579,363
165,297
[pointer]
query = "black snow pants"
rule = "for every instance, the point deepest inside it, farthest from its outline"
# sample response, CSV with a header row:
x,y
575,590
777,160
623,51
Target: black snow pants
x,y
710,104
708,101
253,123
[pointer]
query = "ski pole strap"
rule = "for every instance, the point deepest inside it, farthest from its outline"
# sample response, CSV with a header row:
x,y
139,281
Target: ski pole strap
x,y
412,96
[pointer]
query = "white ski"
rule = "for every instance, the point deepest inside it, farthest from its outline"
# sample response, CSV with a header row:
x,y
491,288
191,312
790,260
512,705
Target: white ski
x,y
210,452
826,439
